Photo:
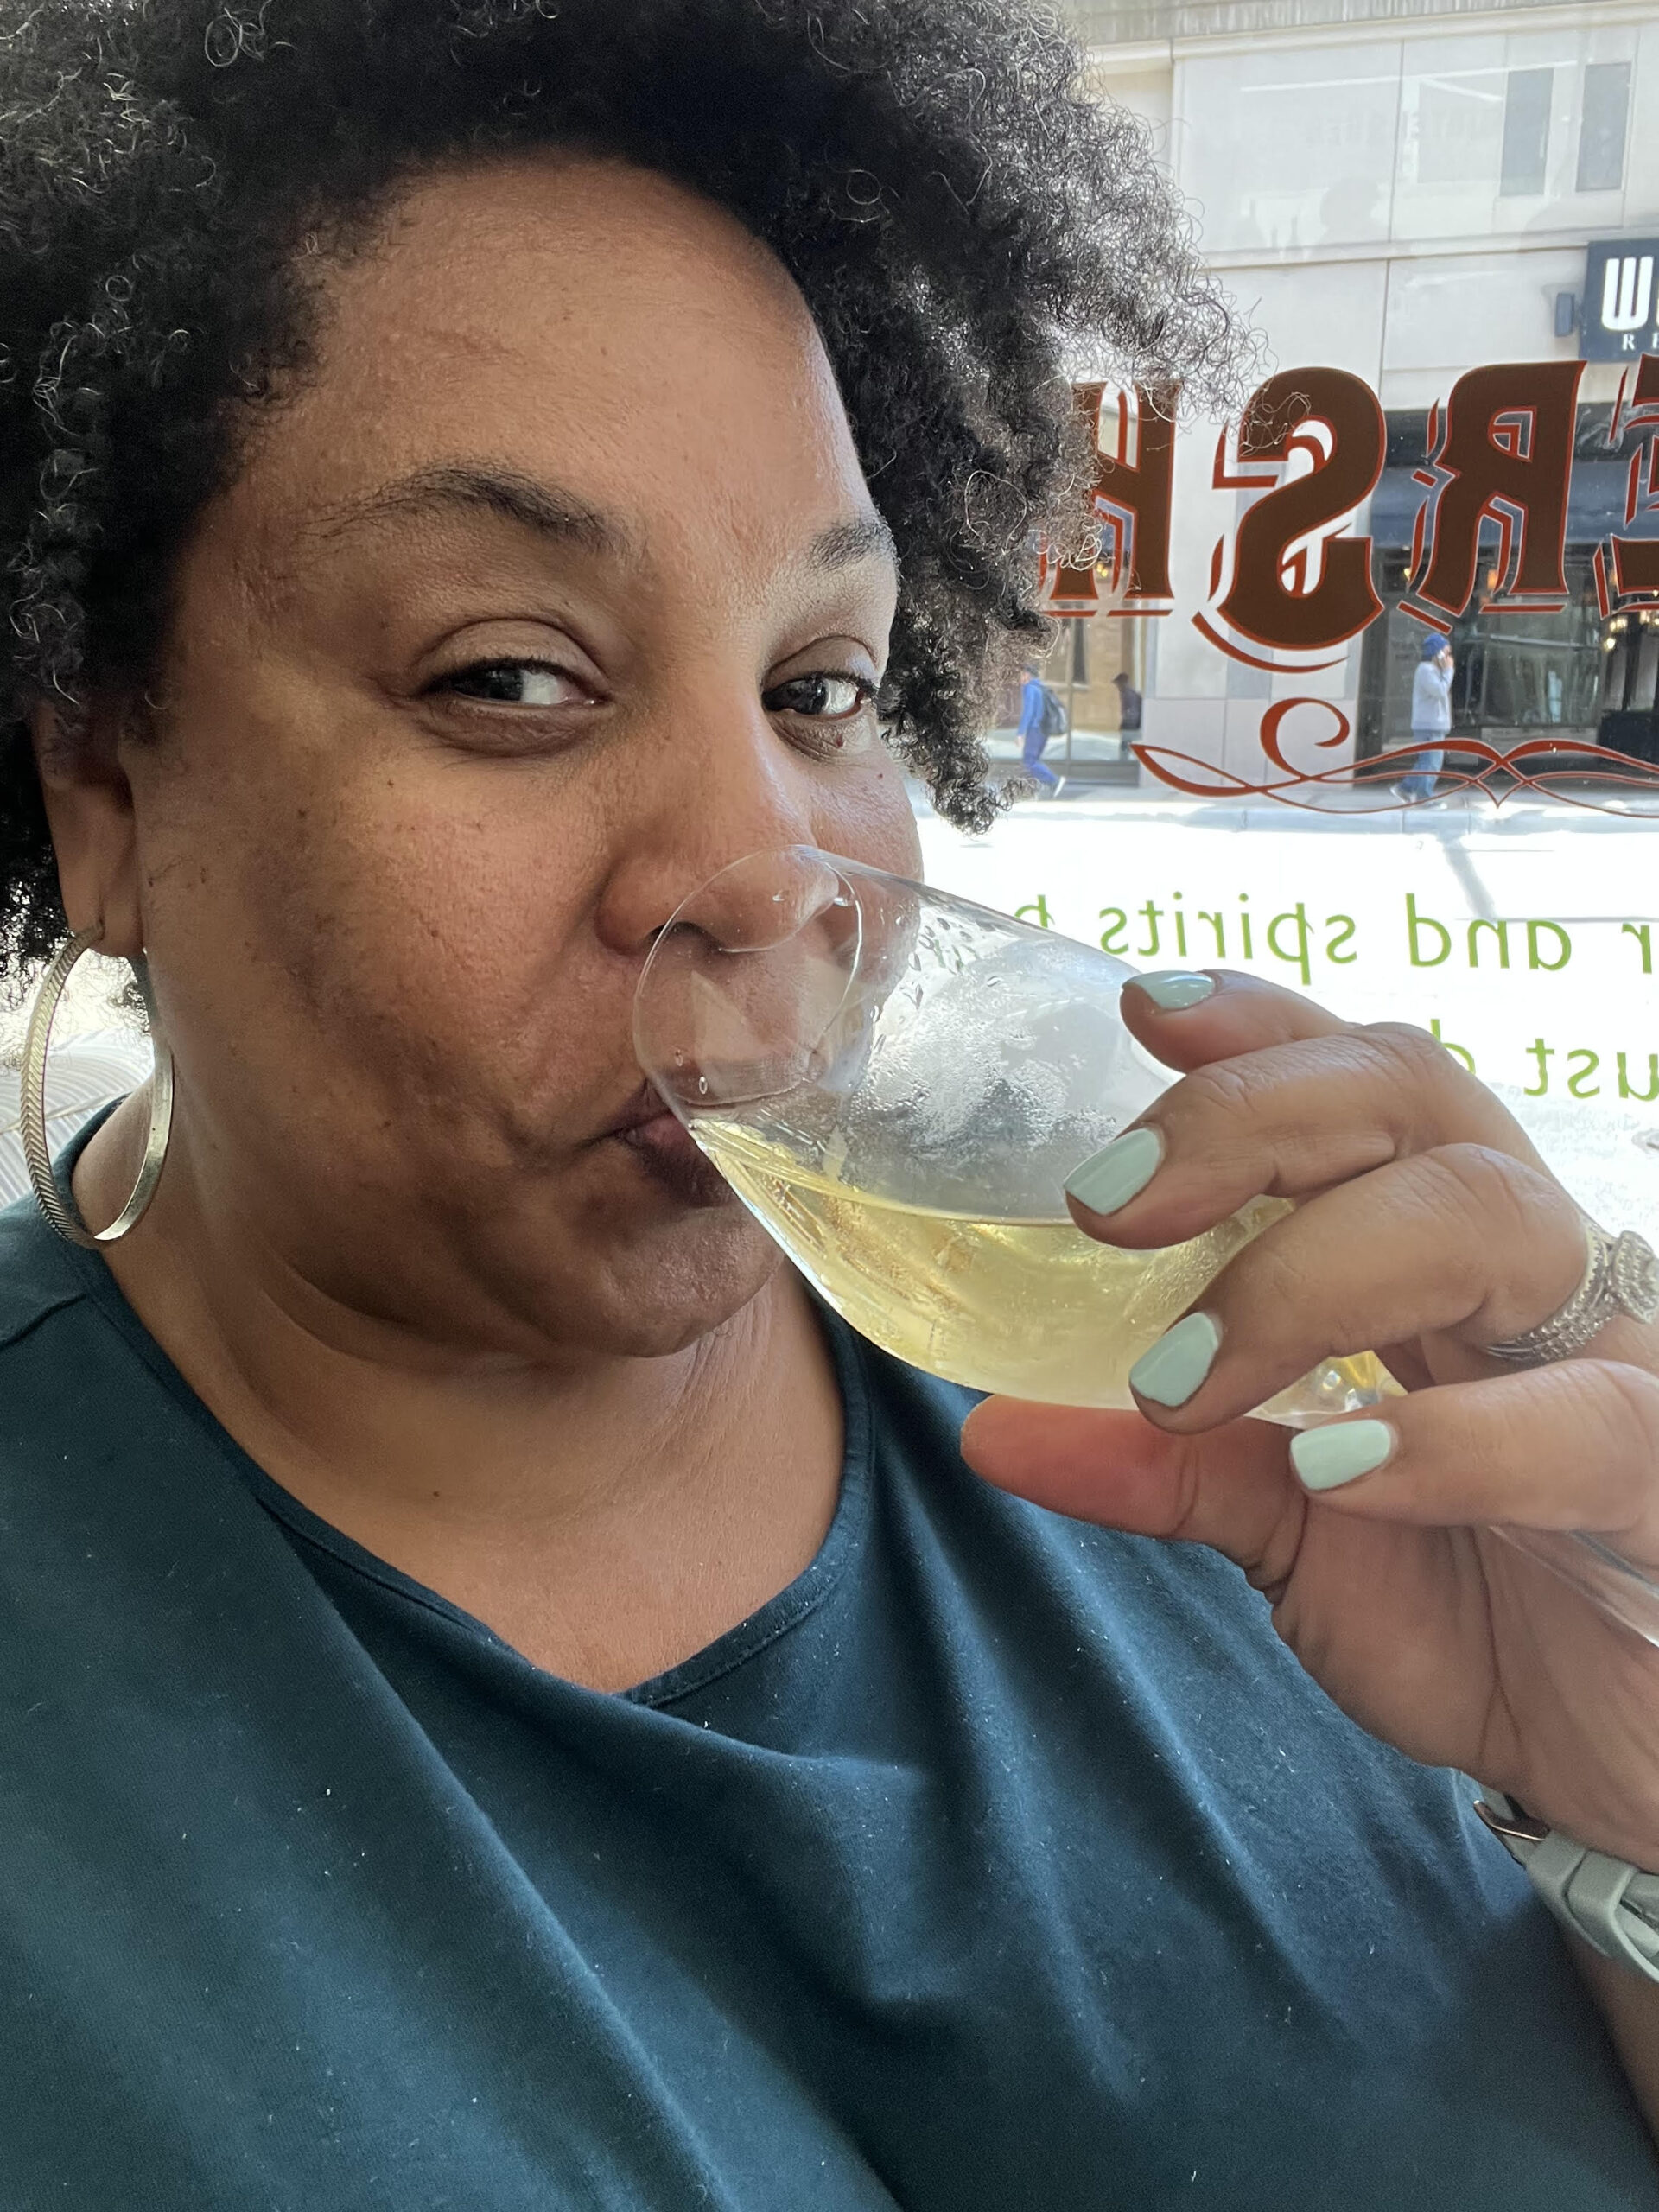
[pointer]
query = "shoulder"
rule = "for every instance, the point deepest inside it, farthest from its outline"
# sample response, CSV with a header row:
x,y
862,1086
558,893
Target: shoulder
x,y
39,1275
63,1378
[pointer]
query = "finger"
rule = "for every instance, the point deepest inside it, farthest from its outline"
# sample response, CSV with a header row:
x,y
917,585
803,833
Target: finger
x,y
1458,1244
1285,1120
1570,1447
1232,1489
1187,1016
1573,1446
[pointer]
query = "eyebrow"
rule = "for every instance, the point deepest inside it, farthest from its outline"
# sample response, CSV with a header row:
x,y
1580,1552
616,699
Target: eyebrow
x,y
546,509
845,544
562,516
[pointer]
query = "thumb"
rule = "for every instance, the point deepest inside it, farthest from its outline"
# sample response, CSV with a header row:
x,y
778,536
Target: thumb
x,y
1230,1488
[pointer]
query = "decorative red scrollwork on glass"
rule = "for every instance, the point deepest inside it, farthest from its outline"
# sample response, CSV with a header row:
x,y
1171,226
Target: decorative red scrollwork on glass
x,y
1540,765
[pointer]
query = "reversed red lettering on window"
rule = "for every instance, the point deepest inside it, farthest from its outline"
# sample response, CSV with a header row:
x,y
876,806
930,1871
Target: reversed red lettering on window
x,y
1291,589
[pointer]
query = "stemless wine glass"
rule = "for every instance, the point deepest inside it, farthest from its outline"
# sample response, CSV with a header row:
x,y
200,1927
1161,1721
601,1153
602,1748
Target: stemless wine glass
x,y
897,1083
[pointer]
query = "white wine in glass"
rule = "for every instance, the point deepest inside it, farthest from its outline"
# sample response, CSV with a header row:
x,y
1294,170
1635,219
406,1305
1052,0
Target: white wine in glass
x,y
1034,1309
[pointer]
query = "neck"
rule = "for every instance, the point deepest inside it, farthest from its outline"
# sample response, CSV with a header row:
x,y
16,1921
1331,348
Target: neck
x,y
609,1516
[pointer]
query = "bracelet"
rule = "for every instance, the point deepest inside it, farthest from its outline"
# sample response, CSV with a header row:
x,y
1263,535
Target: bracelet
x,y
1612,1905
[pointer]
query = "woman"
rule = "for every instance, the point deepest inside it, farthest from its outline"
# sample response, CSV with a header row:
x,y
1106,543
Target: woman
x,y
505,1703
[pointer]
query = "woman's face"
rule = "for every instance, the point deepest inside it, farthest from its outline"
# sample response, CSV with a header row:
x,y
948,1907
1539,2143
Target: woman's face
x,y
557,588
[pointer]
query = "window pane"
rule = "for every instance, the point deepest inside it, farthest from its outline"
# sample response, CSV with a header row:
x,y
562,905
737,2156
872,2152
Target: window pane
x,y
1457,130
1525,130
1448,142
1601,133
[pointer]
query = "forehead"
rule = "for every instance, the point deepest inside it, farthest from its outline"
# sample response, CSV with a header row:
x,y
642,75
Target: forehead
x,y
589,324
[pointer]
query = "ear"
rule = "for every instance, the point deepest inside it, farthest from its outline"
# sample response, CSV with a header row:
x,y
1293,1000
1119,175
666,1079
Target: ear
x,y
89,811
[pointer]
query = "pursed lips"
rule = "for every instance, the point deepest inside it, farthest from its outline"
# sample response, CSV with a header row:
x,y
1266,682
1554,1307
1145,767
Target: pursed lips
x,y
663,1147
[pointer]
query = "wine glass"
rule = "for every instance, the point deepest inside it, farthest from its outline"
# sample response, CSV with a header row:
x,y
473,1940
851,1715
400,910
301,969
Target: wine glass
x,y
897,1083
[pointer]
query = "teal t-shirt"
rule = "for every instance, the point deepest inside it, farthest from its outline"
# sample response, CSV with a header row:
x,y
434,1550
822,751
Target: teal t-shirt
x,y
999,1862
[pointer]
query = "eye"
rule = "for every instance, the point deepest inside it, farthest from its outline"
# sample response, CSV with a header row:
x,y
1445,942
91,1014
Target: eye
x,y
514,683
822,696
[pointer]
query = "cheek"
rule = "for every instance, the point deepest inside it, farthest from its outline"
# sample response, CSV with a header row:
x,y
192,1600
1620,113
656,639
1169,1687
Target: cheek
x,y
870,819
408,931
454,920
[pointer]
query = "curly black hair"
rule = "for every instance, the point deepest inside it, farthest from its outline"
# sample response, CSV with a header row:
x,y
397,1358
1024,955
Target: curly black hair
x,y
964,219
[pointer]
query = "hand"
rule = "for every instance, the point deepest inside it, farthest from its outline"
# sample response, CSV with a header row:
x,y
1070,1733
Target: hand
x,y
1426,1227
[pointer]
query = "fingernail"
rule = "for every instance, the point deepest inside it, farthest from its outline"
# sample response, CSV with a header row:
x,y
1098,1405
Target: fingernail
x,y
1339,1452
1110,1178
1178,1363
1175,989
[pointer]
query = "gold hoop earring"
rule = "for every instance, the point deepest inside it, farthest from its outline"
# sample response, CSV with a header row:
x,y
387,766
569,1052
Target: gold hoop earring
x,y
65,1217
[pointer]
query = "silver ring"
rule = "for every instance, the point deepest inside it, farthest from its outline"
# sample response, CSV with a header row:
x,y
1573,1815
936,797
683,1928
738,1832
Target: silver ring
x,y
1621,1276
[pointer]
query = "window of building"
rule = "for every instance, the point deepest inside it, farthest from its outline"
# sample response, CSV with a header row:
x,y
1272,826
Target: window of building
x,y
1525,130
1601,127
1457,128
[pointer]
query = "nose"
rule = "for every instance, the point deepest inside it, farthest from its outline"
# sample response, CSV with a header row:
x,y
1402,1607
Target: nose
x,y
718,785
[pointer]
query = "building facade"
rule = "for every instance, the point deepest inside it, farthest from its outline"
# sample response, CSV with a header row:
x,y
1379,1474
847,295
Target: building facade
x,y
1406,192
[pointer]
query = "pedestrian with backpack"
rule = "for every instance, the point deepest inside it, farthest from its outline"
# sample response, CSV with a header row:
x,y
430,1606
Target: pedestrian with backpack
x,y
1041,717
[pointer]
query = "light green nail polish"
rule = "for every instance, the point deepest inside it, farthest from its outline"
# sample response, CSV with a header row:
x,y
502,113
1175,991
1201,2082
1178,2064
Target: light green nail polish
x,y
1174,988
1339,1452
1113,1176
1178,1363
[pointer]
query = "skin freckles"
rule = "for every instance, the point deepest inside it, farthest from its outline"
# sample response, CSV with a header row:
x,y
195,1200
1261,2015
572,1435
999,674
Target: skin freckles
x,y
554,587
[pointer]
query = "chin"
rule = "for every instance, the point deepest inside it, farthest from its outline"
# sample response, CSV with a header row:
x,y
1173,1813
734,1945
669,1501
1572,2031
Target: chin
x,y
668,1285
667,1323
